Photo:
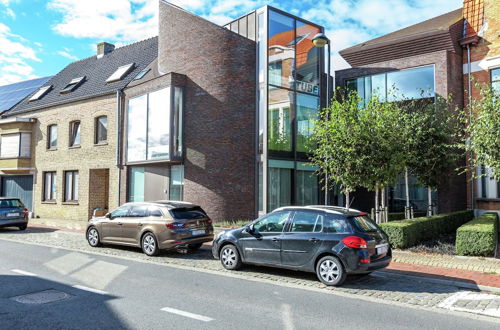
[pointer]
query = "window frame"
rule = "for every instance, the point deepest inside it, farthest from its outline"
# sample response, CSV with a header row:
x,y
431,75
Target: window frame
x,y
318,219
285,224
49,136
96,130
52,198
19,147
73,190
72,138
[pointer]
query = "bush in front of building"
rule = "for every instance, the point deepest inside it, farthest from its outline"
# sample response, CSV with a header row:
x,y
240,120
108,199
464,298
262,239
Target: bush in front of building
x,y
405,233
478,237
396,216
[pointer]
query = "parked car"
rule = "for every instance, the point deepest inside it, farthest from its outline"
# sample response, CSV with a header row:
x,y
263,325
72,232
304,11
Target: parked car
x,y
13,213
330,241
152,226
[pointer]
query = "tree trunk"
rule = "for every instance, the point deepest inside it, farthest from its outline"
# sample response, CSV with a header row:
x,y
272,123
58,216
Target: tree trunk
x,y
429,201
347,200
377,214
382,200
407,191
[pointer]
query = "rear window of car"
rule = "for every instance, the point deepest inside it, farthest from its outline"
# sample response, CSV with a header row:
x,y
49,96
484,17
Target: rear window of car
x,y
6,203
334,223
363,223
187,213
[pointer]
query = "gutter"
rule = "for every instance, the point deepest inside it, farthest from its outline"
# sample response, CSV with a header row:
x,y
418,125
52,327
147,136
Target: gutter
x,y
119,106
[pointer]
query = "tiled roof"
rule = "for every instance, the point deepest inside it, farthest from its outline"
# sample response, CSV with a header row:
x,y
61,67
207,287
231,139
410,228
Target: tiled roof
x,y
437,24
96,71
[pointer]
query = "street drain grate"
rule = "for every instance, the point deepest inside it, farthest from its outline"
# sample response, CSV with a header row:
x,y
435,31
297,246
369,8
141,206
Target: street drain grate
x,y
42,297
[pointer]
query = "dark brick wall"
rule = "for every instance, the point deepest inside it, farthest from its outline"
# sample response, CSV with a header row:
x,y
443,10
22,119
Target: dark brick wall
x,y
448,80
219,111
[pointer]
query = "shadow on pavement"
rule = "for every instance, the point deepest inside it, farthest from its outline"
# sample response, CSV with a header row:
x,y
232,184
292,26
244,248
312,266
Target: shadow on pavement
x,y
29,302
29,230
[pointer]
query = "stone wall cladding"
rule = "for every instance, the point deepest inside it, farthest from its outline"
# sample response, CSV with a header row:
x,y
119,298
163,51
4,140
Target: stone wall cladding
x,y
219,111
448,80
84,158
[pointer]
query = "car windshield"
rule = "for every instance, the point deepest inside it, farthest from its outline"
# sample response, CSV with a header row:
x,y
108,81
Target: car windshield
x,y
7,203
364,224
187,213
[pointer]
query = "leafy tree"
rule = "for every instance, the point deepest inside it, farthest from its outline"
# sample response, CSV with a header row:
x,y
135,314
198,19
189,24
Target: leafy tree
x,y
483,130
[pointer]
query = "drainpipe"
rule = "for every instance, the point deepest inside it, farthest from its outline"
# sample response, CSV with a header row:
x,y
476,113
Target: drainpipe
x,y
469,86
119,106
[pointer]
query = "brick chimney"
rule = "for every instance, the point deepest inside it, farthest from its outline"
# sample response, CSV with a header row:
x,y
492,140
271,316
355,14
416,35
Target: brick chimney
x,y
104,48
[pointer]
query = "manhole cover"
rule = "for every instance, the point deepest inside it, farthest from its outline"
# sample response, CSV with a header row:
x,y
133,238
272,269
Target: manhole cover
x,y
42,297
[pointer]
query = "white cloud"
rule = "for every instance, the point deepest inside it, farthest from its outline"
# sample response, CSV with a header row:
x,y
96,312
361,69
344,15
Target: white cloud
x,y
10,13
66,54
14,57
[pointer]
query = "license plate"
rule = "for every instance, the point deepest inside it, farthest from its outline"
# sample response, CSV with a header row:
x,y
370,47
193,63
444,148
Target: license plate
x,y
197,232
12,214
382,249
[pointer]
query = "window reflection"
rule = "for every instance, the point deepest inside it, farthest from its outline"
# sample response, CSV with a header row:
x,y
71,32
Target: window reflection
x,y
159,124
307,189
136,132
307,59
281,49
307,112
280,120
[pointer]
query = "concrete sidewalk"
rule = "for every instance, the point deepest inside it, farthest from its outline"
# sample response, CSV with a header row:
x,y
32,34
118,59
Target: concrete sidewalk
x,y
469,272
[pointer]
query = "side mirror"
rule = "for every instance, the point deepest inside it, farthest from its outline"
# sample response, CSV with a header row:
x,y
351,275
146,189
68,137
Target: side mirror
x,y
108,215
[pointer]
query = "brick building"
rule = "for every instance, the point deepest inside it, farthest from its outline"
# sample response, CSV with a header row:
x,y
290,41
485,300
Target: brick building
x,y
481,43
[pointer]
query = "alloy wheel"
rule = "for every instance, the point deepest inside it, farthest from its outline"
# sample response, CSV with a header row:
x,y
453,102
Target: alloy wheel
x,y
329,271
93,237
228,257
149,245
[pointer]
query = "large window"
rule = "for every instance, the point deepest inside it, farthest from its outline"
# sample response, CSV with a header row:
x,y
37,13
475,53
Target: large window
x,y
306,190
52,137
71,186
15,145
150,118
74,133
281,49
136,184
101,130
176,182
307,113
279,184
495,79
49,186
280,120
412,83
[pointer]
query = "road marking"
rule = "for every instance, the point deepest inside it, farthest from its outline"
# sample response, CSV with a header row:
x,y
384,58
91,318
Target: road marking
x,y
187,314
86,288
23,272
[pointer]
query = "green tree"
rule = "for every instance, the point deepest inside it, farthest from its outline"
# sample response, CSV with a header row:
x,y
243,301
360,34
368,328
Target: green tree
x,y
483,130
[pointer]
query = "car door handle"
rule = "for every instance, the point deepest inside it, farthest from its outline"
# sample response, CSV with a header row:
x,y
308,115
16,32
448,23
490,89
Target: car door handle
x,y
276,239
119,223
314,240
139,224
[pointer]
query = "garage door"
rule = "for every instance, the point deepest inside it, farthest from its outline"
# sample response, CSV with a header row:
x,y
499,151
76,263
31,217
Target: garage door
x,y
20,186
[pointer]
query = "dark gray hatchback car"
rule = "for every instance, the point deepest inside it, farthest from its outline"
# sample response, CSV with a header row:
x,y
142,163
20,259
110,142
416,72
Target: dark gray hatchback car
x,y
330,241
13,213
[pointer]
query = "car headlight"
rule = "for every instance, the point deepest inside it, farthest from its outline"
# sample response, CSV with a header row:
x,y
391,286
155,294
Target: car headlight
x,y
220,234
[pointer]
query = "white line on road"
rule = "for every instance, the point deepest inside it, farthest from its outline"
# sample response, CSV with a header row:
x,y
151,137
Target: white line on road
x,y
187,314
23,272
86,288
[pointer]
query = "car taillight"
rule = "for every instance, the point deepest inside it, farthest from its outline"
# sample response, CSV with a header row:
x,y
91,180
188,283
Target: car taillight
x,y
175,225
354,242
26,212
209,222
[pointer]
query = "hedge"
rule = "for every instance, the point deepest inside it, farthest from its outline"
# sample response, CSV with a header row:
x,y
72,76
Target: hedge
x,y
401,215
406,233
478,237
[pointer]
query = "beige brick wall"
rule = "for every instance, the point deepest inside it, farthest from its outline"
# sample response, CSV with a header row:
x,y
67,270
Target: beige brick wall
x,y
83,159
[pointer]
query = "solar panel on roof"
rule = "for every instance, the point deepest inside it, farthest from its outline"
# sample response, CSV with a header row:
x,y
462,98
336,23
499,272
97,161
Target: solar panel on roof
x,y
12,94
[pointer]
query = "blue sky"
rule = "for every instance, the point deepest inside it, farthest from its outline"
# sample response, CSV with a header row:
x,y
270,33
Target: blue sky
x,y
39,38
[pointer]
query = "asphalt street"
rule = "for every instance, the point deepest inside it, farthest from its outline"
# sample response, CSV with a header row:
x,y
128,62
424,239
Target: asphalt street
x,y
96,291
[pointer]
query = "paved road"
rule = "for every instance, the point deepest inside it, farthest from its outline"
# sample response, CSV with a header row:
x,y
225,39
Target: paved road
x,y
101,291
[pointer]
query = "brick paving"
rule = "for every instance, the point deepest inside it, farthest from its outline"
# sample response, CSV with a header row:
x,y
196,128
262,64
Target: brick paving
x,y
383,286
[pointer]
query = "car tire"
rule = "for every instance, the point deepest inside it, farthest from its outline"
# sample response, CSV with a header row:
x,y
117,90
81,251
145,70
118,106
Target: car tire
x,y
23,227
149,245
93,237
194,247
229,257
330,271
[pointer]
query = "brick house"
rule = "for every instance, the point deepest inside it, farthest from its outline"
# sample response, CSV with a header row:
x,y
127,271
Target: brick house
x,y
425,57
481,43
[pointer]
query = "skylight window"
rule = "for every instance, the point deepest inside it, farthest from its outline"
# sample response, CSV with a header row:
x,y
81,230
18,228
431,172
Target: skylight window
x,y
141,74
73,84
120,73
40,93
297,39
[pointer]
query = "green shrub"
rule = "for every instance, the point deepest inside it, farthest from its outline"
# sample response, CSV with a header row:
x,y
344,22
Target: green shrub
x,y
478,237
406,233
401,215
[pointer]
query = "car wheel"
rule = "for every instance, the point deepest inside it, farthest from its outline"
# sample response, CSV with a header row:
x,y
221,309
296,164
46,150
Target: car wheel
x,y
93,237
149,244
23,227
330,271
229,257
194,247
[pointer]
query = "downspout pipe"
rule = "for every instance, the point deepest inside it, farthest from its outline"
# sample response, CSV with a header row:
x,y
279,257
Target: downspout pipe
x,y
118,163
469,87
